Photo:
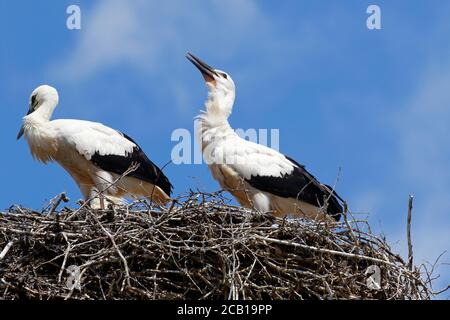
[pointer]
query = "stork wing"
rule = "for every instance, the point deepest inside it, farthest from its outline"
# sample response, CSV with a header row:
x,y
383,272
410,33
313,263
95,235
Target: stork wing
x,y
147,170
270,171
111,150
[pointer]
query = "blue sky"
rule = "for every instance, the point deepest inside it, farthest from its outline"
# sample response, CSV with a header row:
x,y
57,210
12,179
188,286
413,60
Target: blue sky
x,y
375,103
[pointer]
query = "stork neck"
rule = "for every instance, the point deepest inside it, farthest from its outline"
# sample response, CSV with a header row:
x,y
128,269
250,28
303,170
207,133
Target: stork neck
x,y
219,103
41,114
211,129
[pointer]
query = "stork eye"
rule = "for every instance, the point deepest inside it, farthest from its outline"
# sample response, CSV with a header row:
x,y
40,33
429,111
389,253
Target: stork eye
x,y
33,100
224,75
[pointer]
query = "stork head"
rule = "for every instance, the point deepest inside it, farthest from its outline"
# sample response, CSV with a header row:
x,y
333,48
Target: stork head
x,y
42,94
44,98
221,89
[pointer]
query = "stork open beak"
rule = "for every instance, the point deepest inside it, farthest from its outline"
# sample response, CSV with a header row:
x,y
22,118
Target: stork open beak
x,y
207,71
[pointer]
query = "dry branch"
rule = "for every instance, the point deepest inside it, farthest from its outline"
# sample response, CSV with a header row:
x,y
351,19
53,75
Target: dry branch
x,y
408,232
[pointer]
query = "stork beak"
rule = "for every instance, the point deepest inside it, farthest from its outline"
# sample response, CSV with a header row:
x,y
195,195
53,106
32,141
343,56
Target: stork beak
x,y
20,134
207,71
21,131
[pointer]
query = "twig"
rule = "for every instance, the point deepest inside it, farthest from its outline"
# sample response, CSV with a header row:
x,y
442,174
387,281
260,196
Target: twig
x,y
408,233
66,255
61,197
6,249
347,224
131,169
125,263
322,250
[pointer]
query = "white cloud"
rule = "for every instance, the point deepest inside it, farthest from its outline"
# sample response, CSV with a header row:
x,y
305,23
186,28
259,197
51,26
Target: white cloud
x,y
148,39
150,35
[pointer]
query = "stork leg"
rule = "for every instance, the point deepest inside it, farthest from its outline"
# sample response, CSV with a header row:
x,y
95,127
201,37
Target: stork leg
x,y
90,192
95,202
103,186
261,202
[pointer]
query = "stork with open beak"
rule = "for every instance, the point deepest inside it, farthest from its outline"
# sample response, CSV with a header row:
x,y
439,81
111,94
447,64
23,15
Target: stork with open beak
x,y
257,176
95,155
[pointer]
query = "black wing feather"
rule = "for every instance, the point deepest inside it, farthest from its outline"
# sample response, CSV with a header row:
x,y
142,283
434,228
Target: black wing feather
x,y
147,170
302,185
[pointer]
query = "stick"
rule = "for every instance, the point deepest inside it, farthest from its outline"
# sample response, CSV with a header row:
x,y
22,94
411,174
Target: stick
x,y
334,252
131,169
66,254
61,197
121,256
345,213
6,249
408,233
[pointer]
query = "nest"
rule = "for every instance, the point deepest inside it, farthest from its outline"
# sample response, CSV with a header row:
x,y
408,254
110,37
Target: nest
x,y
198,248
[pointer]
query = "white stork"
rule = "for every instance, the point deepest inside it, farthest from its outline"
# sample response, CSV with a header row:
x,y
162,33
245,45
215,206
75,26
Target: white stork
x,y
94,155
259,177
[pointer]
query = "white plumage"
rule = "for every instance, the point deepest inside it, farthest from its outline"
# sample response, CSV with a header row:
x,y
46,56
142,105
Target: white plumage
x,y
93,154
259,177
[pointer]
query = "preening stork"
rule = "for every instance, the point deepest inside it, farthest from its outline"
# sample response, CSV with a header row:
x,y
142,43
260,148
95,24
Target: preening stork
x,y
257,176
95,155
